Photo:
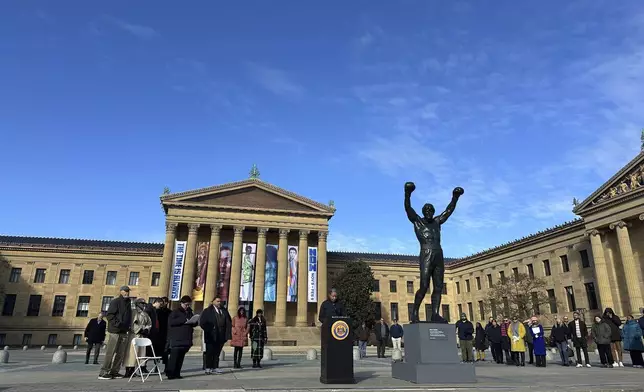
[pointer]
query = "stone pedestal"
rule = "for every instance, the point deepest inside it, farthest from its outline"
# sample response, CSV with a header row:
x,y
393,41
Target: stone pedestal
x,y
431,356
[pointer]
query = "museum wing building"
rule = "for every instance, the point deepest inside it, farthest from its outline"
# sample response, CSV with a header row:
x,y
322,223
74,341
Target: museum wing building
x,y
259,246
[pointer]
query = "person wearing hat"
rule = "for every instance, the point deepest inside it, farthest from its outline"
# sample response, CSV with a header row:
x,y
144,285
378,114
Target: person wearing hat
x,y
141,326
119,320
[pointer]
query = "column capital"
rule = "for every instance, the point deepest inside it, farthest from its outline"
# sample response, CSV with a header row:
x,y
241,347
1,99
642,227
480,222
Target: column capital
x,y
592,233
216,228
261,232
619,224
284,233
239,230
170,227
322,235
193,228
641,216
304,233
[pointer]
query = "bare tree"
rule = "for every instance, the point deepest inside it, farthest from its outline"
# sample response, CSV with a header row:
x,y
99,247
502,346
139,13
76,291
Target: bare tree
x,y
520,295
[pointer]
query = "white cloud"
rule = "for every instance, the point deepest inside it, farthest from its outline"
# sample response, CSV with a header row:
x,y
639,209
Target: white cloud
x,y
137,30
275,80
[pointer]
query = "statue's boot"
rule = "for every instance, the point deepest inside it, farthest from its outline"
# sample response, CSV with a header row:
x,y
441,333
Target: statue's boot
x,y
414,317
436,318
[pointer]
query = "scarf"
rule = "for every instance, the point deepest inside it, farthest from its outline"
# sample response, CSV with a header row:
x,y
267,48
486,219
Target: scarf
x,y
515,329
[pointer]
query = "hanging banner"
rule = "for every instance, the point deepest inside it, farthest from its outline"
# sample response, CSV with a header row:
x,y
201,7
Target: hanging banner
x,y
247,272
202,267
292,274
312,288
270,276
177,270
223,279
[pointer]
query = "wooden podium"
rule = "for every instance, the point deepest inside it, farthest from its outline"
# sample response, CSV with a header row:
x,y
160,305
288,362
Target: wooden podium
x,y
336,364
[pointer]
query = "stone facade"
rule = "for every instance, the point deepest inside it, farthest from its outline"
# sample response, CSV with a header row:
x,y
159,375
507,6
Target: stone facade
x,y
50,287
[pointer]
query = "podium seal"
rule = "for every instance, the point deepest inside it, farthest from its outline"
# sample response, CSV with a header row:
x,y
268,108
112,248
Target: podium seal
x,y
340,330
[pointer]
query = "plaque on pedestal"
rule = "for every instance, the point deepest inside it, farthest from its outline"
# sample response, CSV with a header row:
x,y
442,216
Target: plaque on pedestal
x,y
431,356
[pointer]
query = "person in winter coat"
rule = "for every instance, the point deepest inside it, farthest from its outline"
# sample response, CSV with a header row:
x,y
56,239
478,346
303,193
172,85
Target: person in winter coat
x,y
180,331
493,333
363,338
381,330
632,337
538,341
217,328
396,332
119,320
602,334
616,336
559,335
579,335
258,337
141,326
465,331
505,340
528,341
239,335
95,336
516,333
480,342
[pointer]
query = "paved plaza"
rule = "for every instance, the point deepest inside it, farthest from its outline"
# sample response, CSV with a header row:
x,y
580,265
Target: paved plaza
x,y
32,371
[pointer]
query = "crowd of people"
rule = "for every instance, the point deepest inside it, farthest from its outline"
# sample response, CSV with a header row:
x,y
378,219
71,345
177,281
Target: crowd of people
x,y
171,333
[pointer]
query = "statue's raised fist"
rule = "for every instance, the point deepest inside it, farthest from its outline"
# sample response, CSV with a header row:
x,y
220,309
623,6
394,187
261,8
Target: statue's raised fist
x,y
410,187
458,191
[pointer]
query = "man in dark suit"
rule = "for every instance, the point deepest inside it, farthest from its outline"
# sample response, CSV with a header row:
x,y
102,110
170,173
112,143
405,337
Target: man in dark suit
x,y
95,336
331,307
382,336
217,328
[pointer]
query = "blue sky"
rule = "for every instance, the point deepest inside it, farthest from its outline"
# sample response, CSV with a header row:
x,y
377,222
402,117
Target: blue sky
x,y
524,105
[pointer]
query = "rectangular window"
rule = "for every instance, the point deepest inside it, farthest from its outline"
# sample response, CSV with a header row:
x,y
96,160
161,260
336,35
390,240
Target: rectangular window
x,y
110,279
156,278
376,286
377,310
458,287
428,312
565,266
40,275
552,299
88,276
445,312
392,286
63,277
9,304
502,277
470,310
481,310
478,283
394,311
78,338
546,268
493,308
105,303
59,306
82,310
410,311
134,279
585,261
592,296
535,303
410,287
489,281
51,339
570,297
460,311
26,339
506,307
444,289
33,309
14,277
515,273
3,339
467,285
530,271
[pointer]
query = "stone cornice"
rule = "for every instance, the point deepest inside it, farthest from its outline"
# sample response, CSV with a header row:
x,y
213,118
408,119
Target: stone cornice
x,y
198,206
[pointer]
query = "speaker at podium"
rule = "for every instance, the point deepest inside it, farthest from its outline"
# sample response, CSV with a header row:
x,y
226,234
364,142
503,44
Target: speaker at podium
x,y
336,364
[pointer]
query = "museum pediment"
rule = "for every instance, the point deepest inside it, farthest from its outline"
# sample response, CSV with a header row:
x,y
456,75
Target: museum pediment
x,y
249,194
626,183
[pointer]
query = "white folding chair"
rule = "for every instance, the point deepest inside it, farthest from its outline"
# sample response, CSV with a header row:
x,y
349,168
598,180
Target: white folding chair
x,y
141,362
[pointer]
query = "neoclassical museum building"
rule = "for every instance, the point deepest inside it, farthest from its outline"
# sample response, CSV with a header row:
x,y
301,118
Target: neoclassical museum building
x,y
260,246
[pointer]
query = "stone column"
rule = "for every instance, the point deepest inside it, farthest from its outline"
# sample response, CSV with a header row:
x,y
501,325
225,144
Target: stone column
x,y
322,270
235,270
631,272
190,262
260,269
601,270
282,279
168,255
213,265
302,279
